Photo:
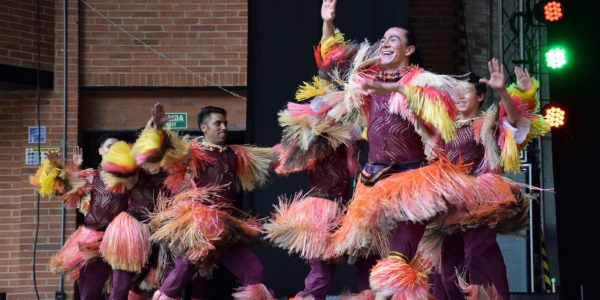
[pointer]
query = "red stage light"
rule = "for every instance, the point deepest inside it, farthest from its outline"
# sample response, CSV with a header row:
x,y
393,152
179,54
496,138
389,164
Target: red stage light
x,y
555,116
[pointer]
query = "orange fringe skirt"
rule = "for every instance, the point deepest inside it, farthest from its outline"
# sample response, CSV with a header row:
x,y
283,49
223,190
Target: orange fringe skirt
x,y
199,229
416,195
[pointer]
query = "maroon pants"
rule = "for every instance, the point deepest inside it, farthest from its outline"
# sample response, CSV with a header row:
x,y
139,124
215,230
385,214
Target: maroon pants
x,y
477,251
122,283
92,279
321,274
240,260
406,238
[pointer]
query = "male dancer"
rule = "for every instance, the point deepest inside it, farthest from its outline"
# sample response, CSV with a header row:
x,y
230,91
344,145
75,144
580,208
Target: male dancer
x,y
217,170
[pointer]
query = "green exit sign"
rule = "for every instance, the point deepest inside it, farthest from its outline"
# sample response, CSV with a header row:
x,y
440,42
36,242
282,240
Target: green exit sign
x,y
179,122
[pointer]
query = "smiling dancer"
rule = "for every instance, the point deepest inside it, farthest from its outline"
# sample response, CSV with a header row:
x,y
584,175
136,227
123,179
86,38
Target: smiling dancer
x,y
198,223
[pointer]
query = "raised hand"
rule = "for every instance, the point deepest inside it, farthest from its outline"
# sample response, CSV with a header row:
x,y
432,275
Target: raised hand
x,y
328,10
496,80
523,79
53,157
159,118
77,156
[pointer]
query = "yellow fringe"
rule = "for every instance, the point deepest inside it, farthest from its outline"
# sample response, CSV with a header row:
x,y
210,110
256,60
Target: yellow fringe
x,y
149,140
48,175
121,155
310,89
527,97
364,135
336,39
178,152
432,111
509,157
256,166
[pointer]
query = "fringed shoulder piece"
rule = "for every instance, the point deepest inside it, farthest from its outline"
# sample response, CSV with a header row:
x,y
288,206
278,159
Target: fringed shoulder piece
x,y
328,45
118,165
70,183
253,165
487,135
311,89
183,161
430,97
162,149
513,139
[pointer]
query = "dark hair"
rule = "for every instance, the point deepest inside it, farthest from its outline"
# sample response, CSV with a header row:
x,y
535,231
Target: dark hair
x,y
411,40
110,135
204,113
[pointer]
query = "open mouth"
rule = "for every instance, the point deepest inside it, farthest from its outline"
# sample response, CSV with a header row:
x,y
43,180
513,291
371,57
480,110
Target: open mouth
x,y
387,53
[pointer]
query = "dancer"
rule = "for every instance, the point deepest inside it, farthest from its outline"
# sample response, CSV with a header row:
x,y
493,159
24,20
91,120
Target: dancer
x,y
403,106
199,224
304,224
85,190
474,246
126,245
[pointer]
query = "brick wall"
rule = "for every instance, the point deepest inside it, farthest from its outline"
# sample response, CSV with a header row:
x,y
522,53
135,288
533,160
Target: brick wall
x,y
18,33
18,200
436,24
122,110
208,38
477,23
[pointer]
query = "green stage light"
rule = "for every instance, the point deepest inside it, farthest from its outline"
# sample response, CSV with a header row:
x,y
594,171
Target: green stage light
x,y
555,58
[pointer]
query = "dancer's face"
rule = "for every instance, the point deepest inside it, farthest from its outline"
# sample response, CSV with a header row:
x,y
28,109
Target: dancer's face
x,y
215,129
468,104
107,144
393,49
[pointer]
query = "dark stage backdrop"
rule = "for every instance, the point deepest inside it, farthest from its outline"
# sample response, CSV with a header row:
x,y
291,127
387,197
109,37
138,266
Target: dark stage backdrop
x,y
575,149
282,35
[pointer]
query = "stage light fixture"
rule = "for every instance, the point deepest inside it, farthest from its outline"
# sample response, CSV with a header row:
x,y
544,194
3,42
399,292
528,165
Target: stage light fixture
x,y
555,116
556,58
548,11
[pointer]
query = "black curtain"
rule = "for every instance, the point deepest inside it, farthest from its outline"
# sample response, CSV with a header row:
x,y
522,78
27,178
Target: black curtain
x,y
281,38
575,149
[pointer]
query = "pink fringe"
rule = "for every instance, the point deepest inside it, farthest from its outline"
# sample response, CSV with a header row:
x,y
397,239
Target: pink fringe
x,y
364,295
158,295
253,292
478,292
118,169
396,278
134,296
126,243
297,110
69,260
304,226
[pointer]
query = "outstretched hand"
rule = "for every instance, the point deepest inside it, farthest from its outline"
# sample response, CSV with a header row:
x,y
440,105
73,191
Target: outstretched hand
x,y
523,79
328,10
380,88
77,156
53,157
159,118
496,80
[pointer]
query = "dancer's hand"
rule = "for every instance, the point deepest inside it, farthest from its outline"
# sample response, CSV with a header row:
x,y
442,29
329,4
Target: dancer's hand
x,y
523,79
159,118
328,10
77,156
53,157
381,88
496,80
